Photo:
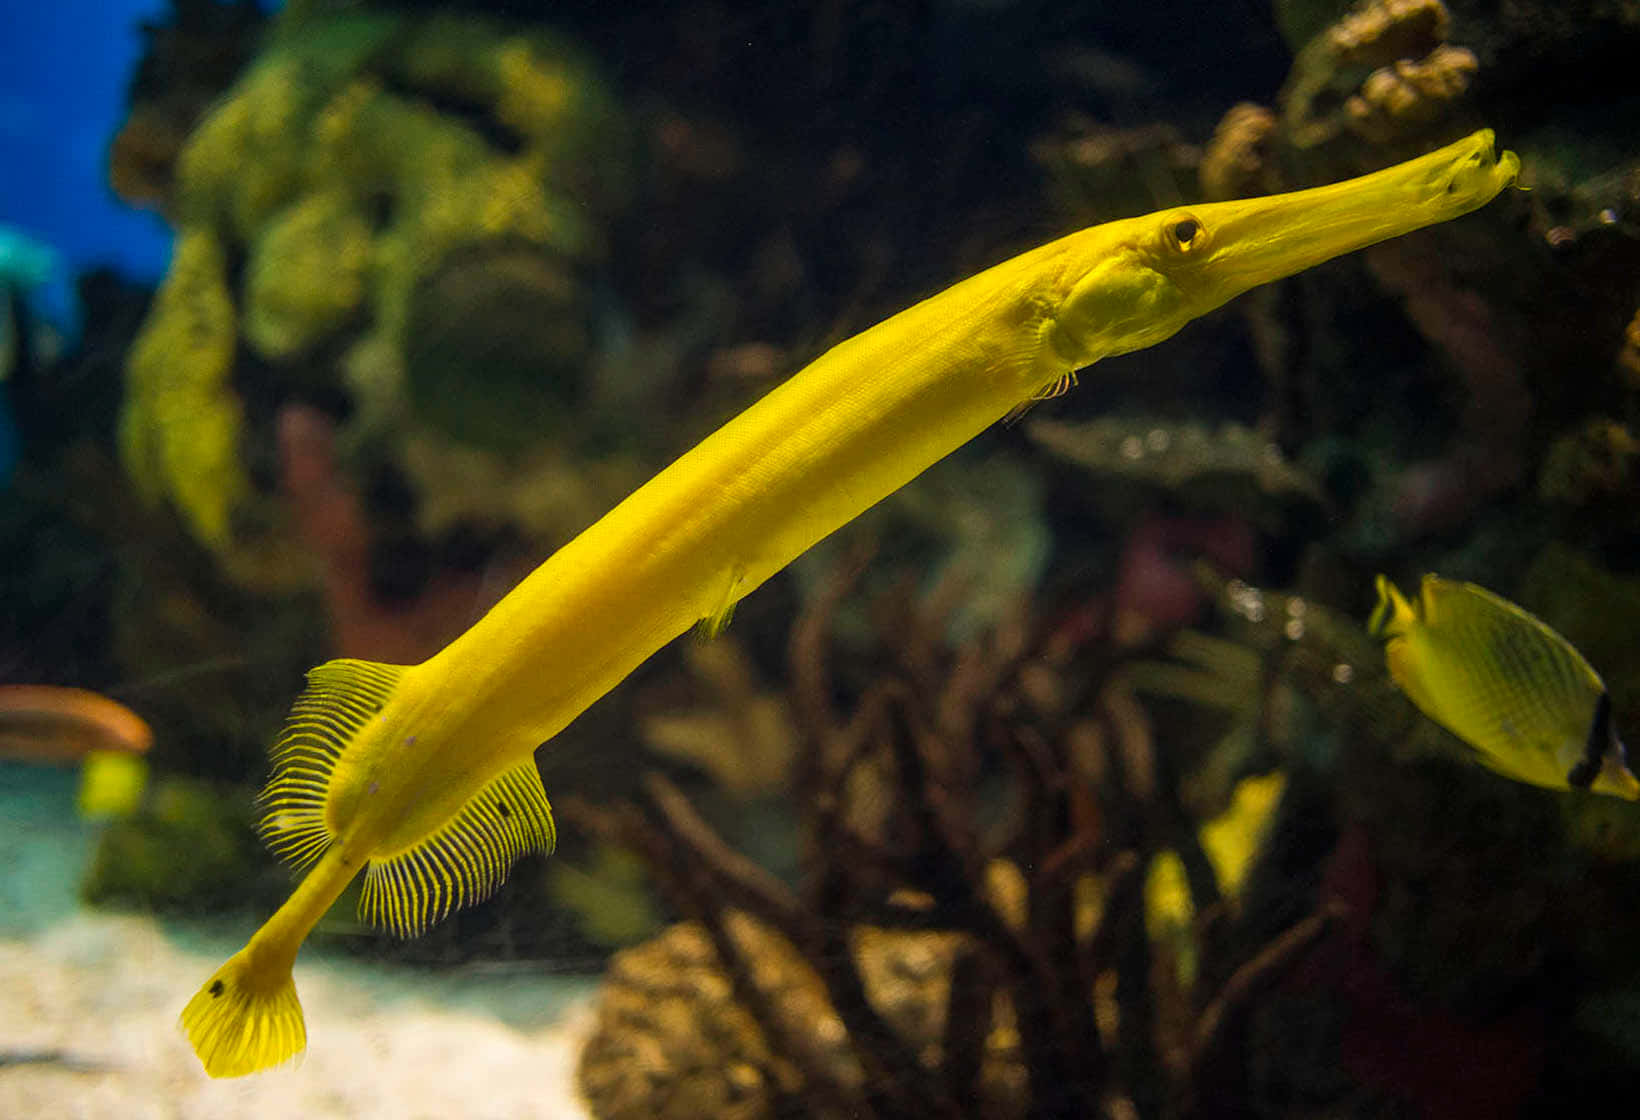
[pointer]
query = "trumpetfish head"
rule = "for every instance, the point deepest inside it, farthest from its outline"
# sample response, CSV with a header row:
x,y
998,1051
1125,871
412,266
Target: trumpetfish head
x,y
1135,282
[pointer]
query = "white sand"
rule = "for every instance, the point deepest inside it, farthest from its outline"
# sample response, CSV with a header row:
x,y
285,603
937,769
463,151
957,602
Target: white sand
x,y
102,991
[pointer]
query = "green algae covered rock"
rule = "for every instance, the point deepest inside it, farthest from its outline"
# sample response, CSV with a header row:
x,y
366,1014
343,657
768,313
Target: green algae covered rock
x,y
423,190
179,431
307,275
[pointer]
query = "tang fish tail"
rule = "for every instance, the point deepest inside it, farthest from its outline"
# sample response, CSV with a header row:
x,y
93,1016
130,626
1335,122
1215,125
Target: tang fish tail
x,y
1604,765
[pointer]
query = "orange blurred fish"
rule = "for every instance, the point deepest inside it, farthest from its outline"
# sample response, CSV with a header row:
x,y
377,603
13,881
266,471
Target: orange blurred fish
x,y
49,724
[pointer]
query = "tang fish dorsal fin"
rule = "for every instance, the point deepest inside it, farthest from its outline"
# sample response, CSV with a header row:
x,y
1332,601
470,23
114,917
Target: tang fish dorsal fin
x,y
340,698
464,860
1392,613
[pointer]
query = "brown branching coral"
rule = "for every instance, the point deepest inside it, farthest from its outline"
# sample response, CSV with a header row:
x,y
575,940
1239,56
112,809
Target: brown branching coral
x,y
1410,93
1030,990
1237,161
1399,48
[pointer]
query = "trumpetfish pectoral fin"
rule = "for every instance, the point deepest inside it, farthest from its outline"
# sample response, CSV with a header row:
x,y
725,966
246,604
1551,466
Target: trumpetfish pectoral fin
x,y
711,625
465,860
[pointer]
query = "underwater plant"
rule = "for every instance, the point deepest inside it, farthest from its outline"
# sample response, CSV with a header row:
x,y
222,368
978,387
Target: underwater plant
x,y
423,776
997,878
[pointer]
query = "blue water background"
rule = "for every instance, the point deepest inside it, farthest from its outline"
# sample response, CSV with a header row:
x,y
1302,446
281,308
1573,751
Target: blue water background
x,y
64,69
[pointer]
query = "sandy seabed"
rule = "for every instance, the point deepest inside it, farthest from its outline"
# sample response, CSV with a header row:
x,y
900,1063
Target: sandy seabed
x,y
89,1004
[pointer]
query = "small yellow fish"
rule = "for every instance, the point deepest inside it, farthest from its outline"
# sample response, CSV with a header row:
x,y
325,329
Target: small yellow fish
x,y
1231,842
1505,683
422,777
111,784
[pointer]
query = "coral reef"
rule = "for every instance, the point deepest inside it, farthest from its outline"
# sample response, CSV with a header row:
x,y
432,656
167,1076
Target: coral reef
x,y
1149,912
1408,96
1412,75
670,1027
192,57
1383,75
919,971
396,160
1237,160
1130,857
179,432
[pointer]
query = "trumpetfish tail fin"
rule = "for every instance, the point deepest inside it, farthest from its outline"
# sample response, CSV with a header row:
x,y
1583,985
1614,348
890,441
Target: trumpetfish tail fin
x,y
246,1018
463,861
340,698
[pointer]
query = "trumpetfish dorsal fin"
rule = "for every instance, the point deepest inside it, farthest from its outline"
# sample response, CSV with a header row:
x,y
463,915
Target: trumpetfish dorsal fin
x,y
340,698
463,861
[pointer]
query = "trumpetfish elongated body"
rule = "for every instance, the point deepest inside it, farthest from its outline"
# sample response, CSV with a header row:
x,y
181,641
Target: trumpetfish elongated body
x,y
422,776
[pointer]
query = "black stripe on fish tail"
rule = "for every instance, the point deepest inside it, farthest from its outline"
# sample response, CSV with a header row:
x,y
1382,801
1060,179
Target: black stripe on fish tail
x,y
1582,775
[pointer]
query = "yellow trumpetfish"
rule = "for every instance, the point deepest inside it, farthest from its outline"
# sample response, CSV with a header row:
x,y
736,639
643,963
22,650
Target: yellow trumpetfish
x,y
422,776
1505,683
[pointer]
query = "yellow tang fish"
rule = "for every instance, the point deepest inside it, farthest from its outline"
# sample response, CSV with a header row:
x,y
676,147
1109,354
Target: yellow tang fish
x,y
1505,683
422,776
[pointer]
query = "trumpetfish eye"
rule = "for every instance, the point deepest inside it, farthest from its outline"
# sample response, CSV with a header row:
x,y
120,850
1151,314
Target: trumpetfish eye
x,y
1182,234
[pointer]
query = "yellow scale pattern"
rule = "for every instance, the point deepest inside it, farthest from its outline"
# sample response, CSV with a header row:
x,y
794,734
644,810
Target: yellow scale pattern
x,y
1524,685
